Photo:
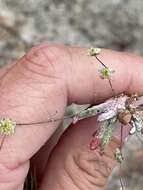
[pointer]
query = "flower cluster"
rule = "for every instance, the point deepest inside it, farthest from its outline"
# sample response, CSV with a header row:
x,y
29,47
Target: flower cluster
x,y
7,126
105,72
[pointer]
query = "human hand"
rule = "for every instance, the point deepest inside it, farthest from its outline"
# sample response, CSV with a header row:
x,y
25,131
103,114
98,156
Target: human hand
x,y
39,86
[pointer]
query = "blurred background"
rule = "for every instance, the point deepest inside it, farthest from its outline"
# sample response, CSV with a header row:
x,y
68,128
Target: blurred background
x,y
115,24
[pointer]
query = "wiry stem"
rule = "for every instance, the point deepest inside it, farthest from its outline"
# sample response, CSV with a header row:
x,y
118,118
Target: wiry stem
x,y
121,146
101,62
89,112
2,141
111,86
120,177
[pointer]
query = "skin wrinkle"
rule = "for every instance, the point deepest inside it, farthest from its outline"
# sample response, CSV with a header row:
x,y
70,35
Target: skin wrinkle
x,y
56,58
48,59
26,66
22,92
130,84
97,174
35,80
101,160
104,167
9,104
87,183
32,87
4,75
36,97
92,177
69,172
72,73
130,77
71,70
90,69
51,63
71,178
12,105
29,58
82,163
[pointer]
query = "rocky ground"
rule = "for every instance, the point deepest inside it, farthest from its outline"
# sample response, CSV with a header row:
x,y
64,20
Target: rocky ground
x,y
115,24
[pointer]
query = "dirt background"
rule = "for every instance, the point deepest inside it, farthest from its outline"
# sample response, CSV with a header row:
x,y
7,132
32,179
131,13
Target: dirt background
x,y
116,24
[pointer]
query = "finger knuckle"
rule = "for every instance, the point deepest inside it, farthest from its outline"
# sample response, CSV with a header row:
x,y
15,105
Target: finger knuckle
x,y
45,60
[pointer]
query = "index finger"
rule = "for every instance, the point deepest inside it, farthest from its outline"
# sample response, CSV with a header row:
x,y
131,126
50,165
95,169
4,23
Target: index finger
x,y
85,84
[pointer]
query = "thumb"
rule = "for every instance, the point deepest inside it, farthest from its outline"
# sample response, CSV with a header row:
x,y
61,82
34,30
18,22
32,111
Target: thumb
x,y
40,85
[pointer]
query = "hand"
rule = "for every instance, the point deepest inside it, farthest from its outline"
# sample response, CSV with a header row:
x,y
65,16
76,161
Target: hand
x,y
39,86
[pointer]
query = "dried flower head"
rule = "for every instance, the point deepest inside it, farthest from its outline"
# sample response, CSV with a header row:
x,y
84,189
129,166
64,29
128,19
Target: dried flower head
x,y
106,73
7,126
94,51
124,117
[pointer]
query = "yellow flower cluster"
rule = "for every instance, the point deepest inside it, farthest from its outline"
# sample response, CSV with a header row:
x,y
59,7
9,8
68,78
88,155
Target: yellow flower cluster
x,y
7,126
